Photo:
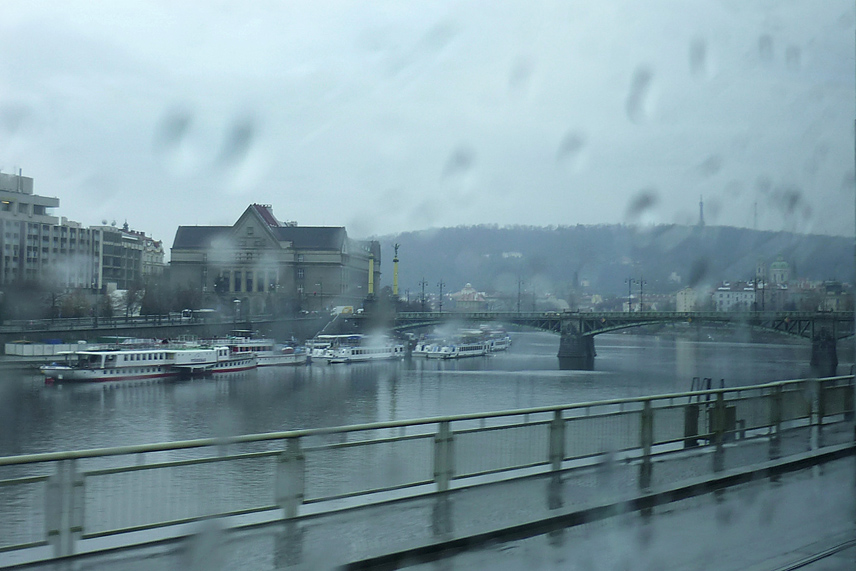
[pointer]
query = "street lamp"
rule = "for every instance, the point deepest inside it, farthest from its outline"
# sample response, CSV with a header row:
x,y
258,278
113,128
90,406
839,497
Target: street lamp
x,y
441,283
423,283
320,285
97,299
642,284
629,282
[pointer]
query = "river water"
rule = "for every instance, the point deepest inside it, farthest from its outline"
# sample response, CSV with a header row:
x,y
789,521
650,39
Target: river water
x,y
39,418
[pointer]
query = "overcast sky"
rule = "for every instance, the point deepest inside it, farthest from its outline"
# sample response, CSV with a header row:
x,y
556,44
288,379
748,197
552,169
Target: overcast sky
x,y
395,116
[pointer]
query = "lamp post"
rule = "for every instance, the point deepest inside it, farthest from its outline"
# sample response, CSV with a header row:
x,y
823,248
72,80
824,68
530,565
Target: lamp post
x,y
97,300
642,284
629,282
441,283
320,285
519,286
423,283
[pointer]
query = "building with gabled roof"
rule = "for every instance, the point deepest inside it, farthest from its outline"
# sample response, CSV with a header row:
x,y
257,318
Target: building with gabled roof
x,y
267,266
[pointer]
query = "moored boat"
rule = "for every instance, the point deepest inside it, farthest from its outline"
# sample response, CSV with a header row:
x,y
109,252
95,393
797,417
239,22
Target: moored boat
x,y
268,352
425,345
355,349
498,341
458,349
120,364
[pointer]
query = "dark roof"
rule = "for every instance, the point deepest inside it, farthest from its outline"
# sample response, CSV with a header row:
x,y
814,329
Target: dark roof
x,y
198,236
266,213
312,237
302,237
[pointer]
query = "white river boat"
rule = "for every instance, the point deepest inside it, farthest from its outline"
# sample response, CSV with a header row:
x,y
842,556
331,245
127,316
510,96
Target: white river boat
x,y
356,348
119,364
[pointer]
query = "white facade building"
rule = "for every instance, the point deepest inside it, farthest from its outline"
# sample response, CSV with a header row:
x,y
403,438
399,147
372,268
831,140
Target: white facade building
x,y
40,247
734,296
686,300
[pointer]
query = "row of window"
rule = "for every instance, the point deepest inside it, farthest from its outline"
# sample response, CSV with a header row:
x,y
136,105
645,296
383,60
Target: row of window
x,y
239,281
144,357
372,351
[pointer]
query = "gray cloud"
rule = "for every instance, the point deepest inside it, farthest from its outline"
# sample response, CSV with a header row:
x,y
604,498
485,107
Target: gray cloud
x,y
183,116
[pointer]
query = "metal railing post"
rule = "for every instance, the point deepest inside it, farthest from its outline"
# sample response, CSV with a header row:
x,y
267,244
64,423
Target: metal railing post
x,y
443,468
64,508
718,421
291,478
821,402
775,421
848,401
557,441
646,436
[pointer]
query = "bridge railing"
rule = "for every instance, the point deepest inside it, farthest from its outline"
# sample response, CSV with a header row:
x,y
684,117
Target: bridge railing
x,y
64,502
747,317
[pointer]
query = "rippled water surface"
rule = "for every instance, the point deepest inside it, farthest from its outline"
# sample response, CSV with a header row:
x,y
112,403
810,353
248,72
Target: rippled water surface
x,y
39,418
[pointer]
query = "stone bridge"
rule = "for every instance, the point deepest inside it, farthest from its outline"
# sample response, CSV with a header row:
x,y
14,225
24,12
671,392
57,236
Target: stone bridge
x,y
577,330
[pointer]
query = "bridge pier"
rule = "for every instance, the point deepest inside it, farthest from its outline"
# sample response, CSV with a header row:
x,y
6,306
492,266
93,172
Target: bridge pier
x,y
576,352
824,353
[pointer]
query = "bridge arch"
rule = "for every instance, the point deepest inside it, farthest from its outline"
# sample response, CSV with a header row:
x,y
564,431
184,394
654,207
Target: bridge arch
x,y
577,330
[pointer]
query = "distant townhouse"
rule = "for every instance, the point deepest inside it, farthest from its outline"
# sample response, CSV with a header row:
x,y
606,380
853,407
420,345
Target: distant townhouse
x,y
153,257
262,264
835,297
734,296
686,300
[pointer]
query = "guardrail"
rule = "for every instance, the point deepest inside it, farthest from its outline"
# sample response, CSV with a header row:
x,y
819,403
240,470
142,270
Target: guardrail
x,y
63,502
71,324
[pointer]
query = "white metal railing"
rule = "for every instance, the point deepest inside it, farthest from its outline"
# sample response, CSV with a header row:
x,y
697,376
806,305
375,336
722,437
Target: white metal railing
x,y
61,499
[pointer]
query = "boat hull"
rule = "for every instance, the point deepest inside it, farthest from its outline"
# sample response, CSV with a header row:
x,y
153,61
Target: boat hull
x,y
282,360
60,374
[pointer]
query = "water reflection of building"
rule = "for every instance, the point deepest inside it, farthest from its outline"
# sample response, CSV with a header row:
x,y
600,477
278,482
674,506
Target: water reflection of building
x,y
269,265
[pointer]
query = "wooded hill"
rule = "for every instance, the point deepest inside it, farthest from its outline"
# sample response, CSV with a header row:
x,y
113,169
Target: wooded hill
x,y
560,259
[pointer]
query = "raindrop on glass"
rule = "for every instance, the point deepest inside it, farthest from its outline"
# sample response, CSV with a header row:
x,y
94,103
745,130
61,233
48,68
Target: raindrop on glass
x,y
638,99
641,203
238,142
710,166
13,118
520,75
571,148
172,130
460,161
765,48
793,57
698,57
